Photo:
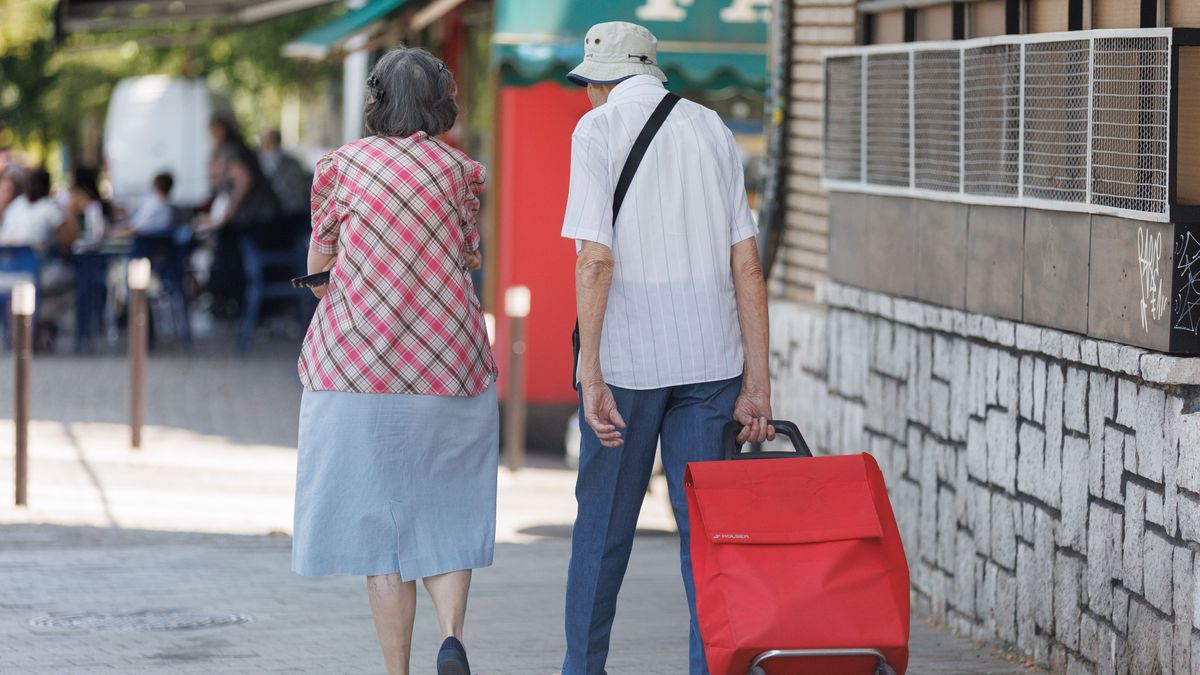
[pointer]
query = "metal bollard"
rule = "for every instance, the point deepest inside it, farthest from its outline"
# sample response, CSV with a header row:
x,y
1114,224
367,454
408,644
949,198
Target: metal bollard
x,y
138,313
516,306
24,298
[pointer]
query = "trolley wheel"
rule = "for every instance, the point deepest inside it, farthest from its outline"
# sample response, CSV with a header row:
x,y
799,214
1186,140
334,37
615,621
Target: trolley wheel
x,y
885,669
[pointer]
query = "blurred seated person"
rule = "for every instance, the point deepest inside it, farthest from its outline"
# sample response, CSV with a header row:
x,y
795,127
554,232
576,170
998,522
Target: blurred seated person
x,y
154,215
12,185
289,180
244,204
85,221
34,219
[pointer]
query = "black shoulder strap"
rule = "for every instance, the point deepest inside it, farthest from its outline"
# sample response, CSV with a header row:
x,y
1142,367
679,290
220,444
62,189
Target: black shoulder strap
x,y
639,149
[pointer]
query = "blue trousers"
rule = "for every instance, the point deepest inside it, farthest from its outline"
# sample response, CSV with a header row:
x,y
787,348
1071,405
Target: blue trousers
x,y
610,488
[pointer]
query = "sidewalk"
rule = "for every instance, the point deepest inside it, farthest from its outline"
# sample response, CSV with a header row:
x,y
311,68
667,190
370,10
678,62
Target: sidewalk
x,y
187,522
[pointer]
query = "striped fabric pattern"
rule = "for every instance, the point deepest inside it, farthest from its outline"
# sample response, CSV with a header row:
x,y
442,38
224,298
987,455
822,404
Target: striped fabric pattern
x,y
400,315
672,314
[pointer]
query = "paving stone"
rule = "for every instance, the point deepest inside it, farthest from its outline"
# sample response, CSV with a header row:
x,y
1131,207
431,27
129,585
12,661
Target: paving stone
x,y
1134,547
1114,464
1004,528
1051,482
1072,531
1052,343
981,498
1029,337
1039,391
978,380
1127,402
1006,372
1151,441
1006,333
1068,573
1152,651
1105,544
1121,606
927,544
947,550
1027,631
1172,419
992,376
939,408
1188,511
1006,605
1089,352
1044,558
1030,459
963,594
919,379
1158,571
988,328
1075,401
1101,399
1184,606
1002,449
1189,453
1090,639
1163,369
1109,355
1070,344
1025,405
960,391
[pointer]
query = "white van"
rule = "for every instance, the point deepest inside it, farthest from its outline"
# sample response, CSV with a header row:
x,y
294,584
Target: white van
x,y
159,123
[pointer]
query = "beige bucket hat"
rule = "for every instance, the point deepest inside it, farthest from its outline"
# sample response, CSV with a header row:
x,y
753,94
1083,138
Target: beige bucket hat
x,y
614,51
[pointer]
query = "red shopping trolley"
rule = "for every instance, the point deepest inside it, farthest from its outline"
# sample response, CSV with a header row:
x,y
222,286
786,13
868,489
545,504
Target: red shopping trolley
x,y
798,564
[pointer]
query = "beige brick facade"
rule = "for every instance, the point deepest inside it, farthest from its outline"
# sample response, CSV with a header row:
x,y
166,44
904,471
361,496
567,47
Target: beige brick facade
x,y
801,262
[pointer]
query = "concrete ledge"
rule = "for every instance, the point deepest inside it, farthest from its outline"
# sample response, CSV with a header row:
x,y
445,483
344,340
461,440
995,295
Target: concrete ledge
x,y
1161,369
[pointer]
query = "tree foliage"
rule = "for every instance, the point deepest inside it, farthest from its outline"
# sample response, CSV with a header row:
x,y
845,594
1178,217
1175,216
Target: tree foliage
x,y
53,91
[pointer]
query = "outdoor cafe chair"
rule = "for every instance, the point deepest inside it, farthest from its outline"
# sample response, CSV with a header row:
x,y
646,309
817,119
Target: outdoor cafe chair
x,y
256,262
168,255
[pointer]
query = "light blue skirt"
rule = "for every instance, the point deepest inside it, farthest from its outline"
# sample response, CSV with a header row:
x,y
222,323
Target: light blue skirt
x,y
395,483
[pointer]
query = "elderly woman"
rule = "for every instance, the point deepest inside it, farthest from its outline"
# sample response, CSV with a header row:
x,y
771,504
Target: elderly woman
x,y
396,476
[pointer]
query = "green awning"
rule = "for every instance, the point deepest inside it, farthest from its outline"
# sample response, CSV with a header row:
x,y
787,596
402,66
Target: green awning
x,y
319,42
702,44
527,64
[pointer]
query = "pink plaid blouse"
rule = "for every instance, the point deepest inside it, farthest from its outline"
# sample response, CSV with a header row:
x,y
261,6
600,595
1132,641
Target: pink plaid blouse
x,y
401,315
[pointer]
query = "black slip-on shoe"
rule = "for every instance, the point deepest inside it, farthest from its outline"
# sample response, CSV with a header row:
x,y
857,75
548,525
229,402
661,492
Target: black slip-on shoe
x,y
452,658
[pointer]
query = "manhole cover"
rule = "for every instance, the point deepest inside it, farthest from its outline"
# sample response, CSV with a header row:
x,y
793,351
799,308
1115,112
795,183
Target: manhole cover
x,y
143,621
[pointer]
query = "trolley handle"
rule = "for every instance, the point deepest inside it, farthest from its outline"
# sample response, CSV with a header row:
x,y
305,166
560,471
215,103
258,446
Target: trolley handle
x,y
733,449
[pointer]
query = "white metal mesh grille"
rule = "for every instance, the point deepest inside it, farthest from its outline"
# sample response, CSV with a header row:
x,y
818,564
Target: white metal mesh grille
x,y
887,119
1056,120
937,124
1078,121
1130,125
843,118
992,125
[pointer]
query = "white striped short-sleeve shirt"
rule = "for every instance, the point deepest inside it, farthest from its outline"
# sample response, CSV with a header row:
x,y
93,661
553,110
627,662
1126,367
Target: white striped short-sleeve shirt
x,y
672,315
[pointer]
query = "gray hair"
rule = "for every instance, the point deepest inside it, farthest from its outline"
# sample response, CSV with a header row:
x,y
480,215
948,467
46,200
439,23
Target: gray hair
x,y
409,91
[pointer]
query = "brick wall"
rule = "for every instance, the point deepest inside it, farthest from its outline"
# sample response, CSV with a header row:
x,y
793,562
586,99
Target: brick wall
x,y
1047,486
801,262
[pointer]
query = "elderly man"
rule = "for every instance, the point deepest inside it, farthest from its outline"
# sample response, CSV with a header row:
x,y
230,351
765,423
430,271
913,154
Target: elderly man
x,y
672,316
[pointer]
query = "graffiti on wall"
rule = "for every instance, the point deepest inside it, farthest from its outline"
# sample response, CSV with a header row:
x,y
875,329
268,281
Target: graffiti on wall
x,y
1187,283
1155,297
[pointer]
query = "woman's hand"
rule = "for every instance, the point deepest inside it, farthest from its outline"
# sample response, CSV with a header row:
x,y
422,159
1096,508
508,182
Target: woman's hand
x,y
472,260
321,290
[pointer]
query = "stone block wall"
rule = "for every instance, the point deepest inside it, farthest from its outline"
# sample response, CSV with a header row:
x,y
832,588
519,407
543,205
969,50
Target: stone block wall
x,y
1047,485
